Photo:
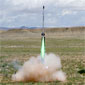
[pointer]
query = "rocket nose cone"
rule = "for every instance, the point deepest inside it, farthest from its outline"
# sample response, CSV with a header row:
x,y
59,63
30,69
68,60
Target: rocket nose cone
x,y
43,7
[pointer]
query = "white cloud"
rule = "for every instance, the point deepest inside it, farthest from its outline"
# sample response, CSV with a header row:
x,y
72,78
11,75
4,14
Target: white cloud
x,y
15,10
68,12
77,3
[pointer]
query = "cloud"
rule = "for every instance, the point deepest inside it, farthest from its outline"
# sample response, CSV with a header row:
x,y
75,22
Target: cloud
x,y
68,12
18,12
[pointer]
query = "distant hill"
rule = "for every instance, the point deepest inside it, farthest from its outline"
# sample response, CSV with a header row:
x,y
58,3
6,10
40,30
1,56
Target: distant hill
x,y
47,30
4,28
22,27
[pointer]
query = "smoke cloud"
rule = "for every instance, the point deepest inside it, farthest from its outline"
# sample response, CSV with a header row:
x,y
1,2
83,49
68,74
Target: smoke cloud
x,y
34,70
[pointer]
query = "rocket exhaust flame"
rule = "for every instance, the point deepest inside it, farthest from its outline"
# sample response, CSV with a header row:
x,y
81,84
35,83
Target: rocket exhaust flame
x,y
42,47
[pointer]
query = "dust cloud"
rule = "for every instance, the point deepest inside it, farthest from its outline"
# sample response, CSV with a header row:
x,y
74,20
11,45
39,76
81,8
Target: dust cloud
x,y
36,71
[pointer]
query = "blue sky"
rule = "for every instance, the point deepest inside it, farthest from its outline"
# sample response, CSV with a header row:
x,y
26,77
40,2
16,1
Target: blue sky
x,y
58,13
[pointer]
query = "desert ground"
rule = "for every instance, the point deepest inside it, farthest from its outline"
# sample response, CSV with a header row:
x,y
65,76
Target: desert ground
x,y
21,44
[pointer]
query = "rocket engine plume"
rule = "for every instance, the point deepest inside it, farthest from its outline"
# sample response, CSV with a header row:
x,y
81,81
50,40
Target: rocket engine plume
x,y
34,70
43,47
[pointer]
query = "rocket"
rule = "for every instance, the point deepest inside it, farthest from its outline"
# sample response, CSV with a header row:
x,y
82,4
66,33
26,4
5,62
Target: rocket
x,y
43,40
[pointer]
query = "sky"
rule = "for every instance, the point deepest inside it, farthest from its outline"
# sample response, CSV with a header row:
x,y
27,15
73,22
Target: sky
x,y
58,13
